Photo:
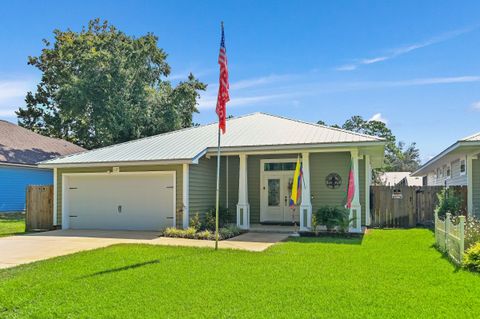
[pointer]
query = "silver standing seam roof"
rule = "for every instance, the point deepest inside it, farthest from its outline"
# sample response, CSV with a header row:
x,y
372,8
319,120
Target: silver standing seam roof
x,y
258,130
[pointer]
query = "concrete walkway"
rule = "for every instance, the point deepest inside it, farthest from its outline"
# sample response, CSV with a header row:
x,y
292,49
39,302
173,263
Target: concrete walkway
x,y
16,250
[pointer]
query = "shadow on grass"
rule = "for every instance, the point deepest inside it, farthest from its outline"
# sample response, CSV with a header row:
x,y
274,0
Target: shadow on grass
x,y
114,270
357,240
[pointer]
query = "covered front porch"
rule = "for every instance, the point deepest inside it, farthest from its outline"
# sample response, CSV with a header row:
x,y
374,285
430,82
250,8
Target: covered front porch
x,y
255,187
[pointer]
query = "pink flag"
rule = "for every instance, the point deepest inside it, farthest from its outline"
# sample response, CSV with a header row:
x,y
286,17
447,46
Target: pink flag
x,y
351,187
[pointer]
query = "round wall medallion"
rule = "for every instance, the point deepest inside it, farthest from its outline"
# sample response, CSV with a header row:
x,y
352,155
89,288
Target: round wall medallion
x,y
333,180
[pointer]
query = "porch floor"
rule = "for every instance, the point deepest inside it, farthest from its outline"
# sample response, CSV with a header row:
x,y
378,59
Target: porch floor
x,y
261,228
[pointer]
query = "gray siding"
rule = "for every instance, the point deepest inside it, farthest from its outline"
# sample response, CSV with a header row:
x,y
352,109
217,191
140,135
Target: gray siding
x,y
455,180
322,164
176,168
476,187
202,185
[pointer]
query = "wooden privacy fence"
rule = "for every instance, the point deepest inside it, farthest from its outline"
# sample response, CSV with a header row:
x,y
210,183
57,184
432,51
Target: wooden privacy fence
x,y
39,207
450,237
407,206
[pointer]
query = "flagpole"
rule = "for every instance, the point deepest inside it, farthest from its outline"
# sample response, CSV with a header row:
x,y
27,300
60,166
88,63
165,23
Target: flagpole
x,y
217,201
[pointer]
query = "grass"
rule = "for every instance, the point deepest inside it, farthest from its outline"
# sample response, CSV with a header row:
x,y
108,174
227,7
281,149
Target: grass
x,y
12,224
387,274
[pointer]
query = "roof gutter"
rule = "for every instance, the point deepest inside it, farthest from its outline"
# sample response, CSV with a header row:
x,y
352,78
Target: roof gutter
x,y
118,163
448,150
293,147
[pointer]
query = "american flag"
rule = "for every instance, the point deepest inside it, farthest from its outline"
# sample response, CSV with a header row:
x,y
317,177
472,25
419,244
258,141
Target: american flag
x,y
223,96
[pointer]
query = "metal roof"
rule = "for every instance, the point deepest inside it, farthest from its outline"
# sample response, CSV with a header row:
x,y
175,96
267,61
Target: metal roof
x,y
187,145
24,147
469,143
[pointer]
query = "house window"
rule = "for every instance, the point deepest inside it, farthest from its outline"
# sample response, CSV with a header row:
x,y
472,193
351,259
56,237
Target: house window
x,y
448,171
463,167
290,166
439,173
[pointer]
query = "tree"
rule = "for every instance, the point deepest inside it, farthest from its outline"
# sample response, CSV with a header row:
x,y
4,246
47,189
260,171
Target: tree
x,y
396,158
407,160
100,87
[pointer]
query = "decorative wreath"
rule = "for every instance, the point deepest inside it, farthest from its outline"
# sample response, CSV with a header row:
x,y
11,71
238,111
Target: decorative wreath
x,y
333,180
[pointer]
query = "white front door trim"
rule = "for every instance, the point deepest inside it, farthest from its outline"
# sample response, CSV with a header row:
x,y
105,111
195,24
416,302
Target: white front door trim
x,y
265,174
65,184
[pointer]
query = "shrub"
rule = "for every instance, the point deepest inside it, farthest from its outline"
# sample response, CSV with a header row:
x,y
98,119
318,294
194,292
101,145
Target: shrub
x,y
328,216
209,220
205,234
471,259
472,231
344,220
195,222
315,224
180,233
229,231
448,202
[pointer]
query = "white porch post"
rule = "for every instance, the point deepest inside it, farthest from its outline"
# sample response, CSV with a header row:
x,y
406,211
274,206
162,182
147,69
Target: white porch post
x,y
368,181
306,206
470,159
356,208
243,208
185,195
55,185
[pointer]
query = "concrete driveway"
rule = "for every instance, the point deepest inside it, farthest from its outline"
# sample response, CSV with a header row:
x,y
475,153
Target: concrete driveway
x,y
16,250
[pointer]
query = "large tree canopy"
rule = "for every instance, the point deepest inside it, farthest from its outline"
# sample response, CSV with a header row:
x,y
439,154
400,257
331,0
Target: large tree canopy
x,y
101,87
397,158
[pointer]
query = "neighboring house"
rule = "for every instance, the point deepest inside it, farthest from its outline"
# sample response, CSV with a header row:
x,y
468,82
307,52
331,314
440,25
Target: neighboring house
x,y
20,150
399,178
458,165
163,180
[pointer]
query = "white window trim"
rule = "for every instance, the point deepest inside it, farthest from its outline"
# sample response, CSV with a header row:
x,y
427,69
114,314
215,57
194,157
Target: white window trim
x,y
448,167
464,165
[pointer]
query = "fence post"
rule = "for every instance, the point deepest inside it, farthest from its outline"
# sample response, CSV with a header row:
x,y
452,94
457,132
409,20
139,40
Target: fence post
x,y
462,237
447,229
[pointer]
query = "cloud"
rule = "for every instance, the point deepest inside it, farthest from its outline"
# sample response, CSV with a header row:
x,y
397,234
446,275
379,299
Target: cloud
x,y
247,92
393,53
476,106
378,117
13,89
12,95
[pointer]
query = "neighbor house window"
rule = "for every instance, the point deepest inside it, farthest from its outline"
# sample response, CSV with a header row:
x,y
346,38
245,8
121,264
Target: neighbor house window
x,y
448,171
463,167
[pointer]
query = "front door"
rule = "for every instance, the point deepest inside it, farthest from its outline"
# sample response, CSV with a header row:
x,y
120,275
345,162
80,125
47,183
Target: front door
x,y
276,190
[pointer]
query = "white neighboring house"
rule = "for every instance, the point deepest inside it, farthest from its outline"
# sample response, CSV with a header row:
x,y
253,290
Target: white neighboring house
x,y
399,178
457,165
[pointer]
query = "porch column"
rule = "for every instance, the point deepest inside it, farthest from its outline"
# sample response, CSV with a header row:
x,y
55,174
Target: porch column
x,y
55,190
243,208
368,181
306,206
470,159
356,208
186,195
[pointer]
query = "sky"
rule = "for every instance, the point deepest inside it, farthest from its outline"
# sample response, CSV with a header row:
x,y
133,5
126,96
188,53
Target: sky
x,y
412,64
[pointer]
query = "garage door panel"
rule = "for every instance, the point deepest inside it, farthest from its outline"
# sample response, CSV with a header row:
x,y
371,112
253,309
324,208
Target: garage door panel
x,y
134,202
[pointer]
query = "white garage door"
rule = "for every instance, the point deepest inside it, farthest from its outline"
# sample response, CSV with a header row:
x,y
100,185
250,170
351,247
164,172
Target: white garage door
x,y
120,201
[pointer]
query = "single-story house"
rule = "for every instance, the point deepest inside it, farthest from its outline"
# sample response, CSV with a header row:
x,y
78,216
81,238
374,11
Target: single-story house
x,y
160,181
399,178
457,165
20,150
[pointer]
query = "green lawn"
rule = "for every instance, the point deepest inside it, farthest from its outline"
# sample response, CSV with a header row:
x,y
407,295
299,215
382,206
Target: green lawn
x,y
11,224
390,273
